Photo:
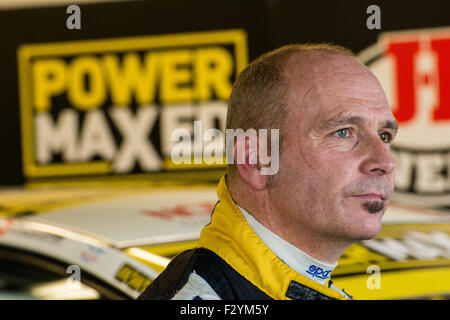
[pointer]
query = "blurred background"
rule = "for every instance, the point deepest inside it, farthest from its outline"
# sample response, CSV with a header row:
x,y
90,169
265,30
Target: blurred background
x,y
91,94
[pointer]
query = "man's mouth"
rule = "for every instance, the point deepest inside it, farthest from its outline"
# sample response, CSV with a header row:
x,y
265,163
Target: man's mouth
x,y
371,202
370,197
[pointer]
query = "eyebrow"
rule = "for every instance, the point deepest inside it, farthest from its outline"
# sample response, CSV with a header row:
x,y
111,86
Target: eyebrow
x,y
391,124
356,120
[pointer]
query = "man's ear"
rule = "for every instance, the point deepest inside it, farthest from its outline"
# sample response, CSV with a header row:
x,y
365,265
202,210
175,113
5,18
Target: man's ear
x,y
247,162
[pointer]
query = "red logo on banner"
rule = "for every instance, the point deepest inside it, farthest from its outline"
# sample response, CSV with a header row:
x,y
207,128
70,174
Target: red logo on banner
x,y
414,70
408,76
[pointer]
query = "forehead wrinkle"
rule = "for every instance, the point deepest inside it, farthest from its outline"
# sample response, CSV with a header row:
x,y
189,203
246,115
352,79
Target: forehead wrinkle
x,y
340,120
354,113
351,117
343,117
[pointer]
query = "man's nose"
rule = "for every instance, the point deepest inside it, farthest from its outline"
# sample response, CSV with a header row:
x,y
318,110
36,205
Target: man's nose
x,y
379,159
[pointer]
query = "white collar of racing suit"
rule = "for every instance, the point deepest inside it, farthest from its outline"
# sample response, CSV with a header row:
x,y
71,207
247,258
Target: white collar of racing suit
x,y
292,256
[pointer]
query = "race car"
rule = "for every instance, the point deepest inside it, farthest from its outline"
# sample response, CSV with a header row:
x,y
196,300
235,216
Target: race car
x,y
110,243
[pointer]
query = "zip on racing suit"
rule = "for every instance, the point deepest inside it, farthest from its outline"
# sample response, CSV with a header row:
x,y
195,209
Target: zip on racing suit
x,y
231,262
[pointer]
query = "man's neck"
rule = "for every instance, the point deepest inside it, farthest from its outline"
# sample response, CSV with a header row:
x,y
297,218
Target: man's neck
x,y
319,247
291,255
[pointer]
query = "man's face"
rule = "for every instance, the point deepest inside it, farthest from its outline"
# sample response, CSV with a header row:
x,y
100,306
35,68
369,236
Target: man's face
x,y
336,171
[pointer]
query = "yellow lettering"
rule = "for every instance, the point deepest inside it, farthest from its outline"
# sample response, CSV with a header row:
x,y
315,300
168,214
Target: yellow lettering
x,y
124,273
82,68
49,77
131,78
213,67
176,78
145,284
136,281
183,75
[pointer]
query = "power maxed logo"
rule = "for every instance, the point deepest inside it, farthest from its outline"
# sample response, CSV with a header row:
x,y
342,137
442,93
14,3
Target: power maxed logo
x,y
414,69
102,107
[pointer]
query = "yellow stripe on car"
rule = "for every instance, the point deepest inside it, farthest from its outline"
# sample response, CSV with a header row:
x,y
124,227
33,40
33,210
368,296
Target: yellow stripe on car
x,y
403,284
158,256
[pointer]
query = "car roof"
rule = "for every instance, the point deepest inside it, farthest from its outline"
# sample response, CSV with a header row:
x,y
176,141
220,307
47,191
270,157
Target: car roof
x,y
136,218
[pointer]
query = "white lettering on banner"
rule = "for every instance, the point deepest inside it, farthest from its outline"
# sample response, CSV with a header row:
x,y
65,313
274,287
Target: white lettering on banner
x,y
403,169
429,173
60,136
427,168
178,120
136,145
96,138
417,245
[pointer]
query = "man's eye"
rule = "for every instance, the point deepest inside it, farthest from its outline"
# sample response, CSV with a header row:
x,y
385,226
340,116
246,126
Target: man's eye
x,y
343,133
386,137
